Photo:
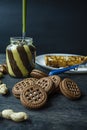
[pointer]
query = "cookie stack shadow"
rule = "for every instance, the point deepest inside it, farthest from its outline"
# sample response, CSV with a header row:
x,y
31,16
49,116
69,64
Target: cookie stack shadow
x,y
34,92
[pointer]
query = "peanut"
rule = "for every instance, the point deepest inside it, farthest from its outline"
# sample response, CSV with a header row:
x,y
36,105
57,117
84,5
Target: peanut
x,y
3,68
15,116
19,116
7,113
3,89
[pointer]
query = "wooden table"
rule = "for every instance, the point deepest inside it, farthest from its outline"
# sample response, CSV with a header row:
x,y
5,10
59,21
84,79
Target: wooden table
x,y
59,113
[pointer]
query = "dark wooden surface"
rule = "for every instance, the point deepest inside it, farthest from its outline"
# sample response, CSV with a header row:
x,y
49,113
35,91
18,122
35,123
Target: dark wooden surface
x,y
58,114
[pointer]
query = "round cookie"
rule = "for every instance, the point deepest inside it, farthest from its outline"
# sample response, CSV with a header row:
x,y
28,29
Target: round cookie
x,y
46,84
38,74
33,97
70,89
56,80
30,80
18,87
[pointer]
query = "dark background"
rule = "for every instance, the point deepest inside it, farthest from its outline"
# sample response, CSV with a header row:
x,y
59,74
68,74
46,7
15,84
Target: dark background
x,y
58,26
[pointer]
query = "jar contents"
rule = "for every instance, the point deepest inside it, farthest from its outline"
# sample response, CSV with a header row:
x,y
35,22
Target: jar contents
x,y
20,57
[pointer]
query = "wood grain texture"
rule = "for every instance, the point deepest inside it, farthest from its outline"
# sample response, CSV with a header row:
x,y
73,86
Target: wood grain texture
x,y
59,113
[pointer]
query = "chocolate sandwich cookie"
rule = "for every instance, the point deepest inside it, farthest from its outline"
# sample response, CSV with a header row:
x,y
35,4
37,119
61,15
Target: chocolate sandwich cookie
x,y
18,87
38,74
30,80
56,80
70,89
33,97
46,84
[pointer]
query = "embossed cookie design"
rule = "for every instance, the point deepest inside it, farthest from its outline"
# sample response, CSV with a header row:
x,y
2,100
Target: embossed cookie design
x,y
18,87
46,84
33,97
56,80
70,89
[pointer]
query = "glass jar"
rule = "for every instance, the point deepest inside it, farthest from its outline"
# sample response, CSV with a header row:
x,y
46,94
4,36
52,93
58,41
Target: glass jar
x,y
20,56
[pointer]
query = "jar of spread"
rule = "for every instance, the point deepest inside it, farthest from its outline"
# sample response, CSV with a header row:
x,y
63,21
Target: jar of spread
x,y
20,56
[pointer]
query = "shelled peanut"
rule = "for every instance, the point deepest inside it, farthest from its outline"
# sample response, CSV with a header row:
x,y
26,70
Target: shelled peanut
x,y
15,116
3,69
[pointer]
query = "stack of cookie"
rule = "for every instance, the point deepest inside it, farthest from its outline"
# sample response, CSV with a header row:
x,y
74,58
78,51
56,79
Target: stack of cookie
x,y
33,92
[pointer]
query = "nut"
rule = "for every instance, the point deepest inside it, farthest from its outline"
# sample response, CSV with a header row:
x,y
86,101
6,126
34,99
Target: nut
x,y
3,89
19,116
15,116
3,68
7,113
64,61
